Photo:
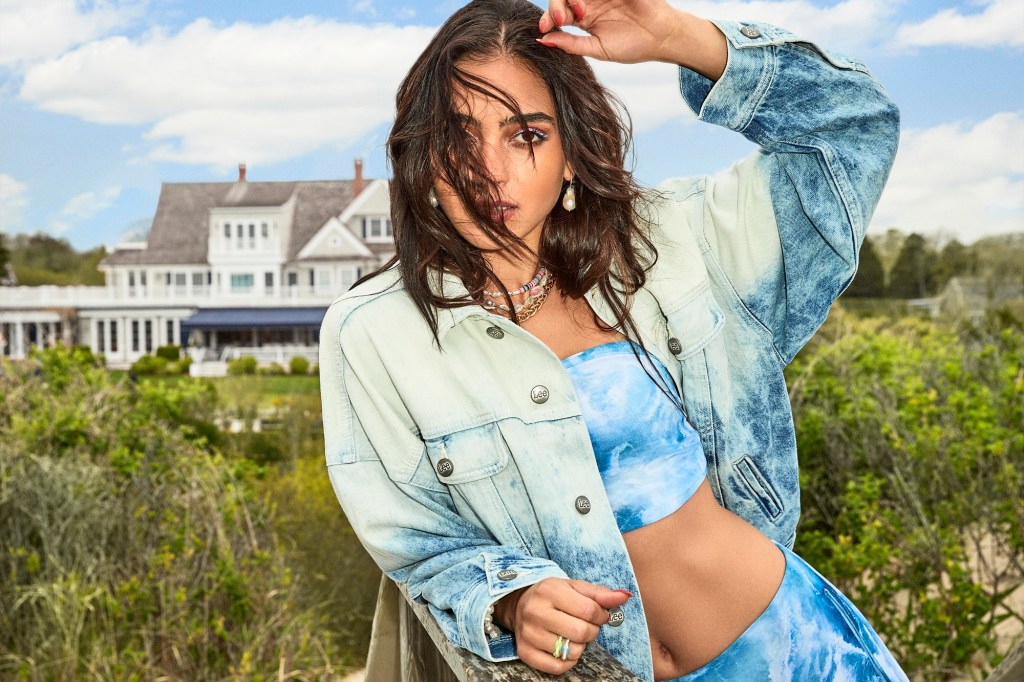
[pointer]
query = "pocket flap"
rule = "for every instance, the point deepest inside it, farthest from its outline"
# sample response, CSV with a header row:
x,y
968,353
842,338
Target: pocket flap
x,y
468,455
695,323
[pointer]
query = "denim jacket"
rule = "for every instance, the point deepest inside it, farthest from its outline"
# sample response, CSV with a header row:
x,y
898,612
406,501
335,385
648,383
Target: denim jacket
x,y
467,471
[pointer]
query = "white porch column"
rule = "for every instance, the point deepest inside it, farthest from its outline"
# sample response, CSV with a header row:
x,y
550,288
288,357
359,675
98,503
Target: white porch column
x,y
123,337
18,347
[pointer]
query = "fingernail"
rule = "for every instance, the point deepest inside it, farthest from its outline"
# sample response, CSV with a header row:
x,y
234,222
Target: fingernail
x,y
559,19
625,592
543,21
541,41
577,10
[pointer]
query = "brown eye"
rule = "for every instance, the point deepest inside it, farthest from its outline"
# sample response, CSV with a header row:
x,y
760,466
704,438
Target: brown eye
x,y
530,136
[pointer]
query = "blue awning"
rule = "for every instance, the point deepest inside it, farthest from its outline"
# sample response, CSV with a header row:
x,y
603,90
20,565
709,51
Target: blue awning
x,y
254,318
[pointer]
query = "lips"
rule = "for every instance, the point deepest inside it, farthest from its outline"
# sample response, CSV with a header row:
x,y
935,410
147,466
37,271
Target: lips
x,y
500,211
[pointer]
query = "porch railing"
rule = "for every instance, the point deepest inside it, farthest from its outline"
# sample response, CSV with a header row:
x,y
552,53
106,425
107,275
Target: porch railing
x,y
408,646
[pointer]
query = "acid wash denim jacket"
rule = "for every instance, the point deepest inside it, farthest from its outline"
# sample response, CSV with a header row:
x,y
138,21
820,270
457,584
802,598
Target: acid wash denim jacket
x,y
467,471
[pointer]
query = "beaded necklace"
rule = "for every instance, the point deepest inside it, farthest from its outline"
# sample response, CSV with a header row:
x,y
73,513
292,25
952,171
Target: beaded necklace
x,y
539,287
532,284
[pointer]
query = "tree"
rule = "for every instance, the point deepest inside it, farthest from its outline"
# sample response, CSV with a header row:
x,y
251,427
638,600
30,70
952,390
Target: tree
x,y
911,275
43,259
4,253
870,279
888,247
954,260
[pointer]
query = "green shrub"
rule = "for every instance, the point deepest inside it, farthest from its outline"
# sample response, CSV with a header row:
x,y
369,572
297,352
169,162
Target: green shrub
x,y
149,365
257,446
298,365
242,366
171,352
911,462
273,369
181,366
131,549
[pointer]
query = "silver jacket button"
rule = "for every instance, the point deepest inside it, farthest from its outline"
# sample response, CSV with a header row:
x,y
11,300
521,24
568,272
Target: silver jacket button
x,y
539,394
495,332
582,504
507,574
674,346
445,467
616,616
750,32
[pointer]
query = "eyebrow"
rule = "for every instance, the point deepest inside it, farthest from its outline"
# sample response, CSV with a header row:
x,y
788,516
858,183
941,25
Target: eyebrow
x,y
535,117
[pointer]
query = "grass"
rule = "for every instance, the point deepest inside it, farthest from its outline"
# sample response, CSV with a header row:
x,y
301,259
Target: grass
x,y
258,391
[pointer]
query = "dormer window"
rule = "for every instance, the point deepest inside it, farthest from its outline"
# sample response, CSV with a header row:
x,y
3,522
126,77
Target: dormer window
x,y
376,229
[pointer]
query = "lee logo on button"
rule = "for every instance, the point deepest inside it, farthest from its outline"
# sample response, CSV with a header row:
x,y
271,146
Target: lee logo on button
x,y
445,467
539,394
507,574
616,616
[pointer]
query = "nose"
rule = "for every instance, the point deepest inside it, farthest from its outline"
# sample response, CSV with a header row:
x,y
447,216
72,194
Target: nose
x,y
496,160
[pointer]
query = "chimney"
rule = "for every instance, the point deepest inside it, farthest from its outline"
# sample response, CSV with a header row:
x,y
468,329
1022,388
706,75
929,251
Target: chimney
x,y
241,172
358,184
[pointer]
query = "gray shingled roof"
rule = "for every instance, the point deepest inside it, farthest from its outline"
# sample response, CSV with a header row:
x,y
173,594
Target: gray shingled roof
x,y
181,224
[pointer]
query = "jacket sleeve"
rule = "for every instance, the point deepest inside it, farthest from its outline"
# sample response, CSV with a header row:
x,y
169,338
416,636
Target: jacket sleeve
x,y
784,227
411,530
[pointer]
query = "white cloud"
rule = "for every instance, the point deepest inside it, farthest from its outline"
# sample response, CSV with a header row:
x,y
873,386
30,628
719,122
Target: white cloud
x,y
650,91
83,206
219,95
957,178
847,25
34,30
12,200
1001,23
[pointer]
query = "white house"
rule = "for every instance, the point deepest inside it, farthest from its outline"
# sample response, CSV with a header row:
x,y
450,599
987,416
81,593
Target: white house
x,y
228,269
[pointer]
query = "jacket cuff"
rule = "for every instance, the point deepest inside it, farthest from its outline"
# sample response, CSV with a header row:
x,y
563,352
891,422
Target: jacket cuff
x,y
504,574
732,100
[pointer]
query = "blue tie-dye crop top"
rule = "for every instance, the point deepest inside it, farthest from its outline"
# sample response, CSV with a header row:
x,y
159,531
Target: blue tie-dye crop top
x,y
650,457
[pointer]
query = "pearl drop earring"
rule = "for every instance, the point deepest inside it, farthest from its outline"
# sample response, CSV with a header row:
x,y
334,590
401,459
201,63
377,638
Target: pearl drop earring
x,y
569,200
432,198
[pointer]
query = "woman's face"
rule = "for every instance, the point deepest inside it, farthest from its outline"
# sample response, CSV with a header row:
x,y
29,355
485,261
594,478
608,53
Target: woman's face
x,y
528,186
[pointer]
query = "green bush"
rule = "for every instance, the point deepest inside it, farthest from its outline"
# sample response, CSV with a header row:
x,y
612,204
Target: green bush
x,y
149,365
298,365
912,476
171,353
274,369
131,548
181,366
242,366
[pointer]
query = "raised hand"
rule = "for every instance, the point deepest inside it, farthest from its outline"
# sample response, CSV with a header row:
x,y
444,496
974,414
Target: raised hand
x,y
631,31
553,608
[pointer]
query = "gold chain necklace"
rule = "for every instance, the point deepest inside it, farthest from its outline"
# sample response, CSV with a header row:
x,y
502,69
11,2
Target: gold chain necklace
x,y
533,305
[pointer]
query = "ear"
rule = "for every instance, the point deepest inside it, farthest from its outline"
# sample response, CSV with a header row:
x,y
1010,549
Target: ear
x,y
568,174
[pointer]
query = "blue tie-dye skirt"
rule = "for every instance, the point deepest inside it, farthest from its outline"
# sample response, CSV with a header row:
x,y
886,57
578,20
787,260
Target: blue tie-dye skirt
x,y
810,631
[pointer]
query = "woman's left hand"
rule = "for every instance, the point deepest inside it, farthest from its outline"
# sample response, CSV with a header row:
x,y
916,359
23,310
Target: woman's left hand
x,y
631,31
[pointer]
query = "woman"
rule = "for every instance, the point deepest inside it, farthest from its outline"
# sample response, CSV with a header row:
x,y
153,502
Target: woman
x,y
565,395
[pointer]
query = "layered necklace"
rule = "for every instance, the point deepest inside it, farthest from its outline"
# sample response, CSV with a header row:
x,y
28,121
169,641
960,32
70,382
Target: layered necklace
x,y
536,290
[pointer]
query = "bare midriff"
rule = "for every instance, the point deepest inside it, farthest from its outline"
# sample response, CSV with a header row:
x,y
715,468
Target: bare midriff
x,y
704,575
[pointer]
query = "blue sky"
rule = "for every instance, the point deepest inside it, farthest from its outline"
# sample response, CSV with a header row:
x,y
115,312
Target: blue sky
x,y
101,101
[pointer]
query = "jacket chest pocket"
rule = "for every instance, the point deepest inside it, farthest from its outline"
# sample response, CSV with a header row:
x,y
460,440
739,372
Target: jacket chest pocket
x,y
473,465
694,330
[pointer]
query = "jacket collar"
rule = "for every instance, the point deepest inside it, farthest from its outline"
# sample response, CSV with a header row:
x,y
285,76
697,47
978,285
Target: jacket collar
x,y
449,285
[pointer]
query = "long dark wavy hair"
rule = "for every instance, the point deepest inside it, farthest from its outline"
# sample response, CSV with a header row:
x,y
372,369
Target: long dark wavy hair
x,y
602,243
